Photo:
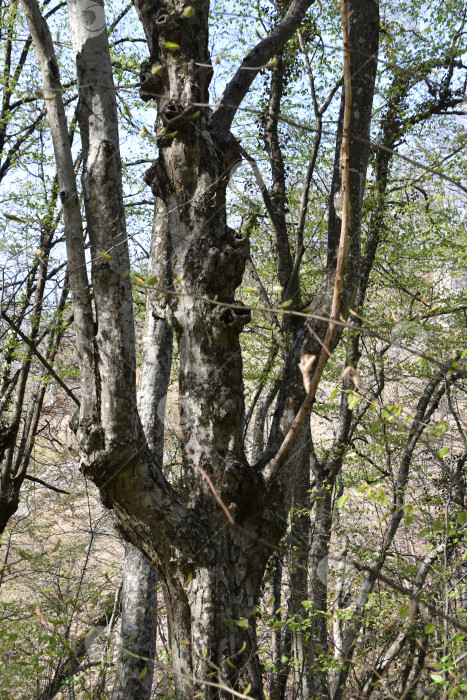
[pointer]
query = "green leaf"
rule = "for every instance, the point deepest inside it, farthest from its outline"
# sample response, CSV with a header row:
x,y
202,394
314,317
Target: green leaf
x,y
285,304
143,673
404,611
334,393
243,623
188,12
103,254
279,625
353,399
429,629
462,516
459,637
247,689
343,500
442,452
12,217
171,45
23,554
437,678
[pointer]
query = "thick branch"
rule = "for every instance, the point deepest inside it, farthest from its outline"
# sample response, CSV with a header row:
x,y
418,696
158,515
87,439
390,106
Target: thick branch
x,y
238,87
45,484
312,385
79,284
277,194
105,219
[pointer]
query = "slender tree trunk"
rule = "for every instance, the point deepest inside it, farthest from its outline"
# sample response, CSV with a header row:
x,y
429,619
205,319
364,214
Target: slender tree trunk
x,y
280,644
427,405
139,599
317,657
135,669
300,533
15,451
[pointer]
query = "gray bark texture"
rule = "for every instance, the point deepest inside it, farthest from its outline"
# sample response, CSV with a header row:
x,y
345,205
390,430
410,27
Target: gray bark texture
x,y
212,568
133,678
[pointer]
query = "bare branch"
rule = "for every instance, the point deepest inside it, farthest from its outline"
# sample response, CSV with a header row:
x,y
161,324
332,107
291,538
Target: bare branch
x,y
44,483
238,87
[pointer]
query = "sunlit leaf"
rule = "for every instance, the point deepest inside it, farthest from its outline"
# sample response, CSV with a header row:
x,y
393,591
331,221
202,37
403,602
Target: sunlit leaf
x,y
343,500
243,623
437,678
285,304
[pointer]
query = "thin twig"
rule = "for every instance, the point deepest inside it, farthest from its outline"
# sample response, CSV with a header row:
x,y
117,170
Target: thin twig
x,y
40,357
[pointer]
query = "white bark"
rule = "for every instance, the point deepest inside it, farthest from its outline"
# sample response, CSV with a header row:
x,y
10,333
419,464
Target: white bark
x,y
102,188
79,283
139,600
133,679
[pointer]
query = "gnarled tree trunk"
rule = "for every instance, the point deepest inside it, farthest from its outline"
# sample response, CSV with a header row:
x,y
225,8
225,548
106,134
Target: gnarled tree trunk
x,y
210,561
